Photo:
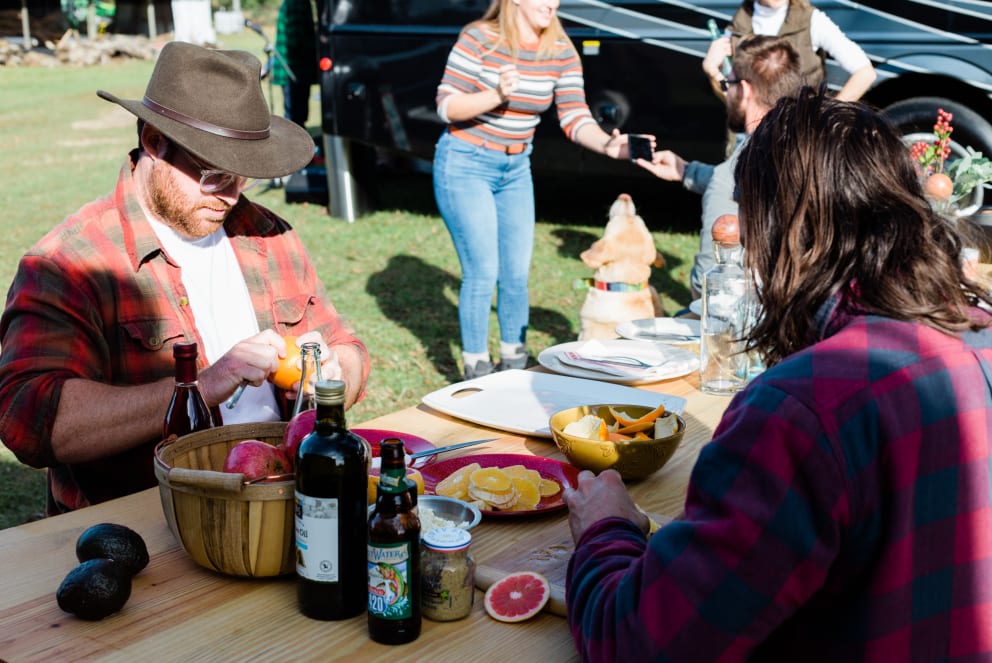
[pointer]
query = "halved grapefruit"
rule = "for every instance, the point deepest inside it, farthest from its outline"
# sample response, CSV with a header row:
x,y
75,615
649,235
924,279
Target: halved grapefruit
x,y
517,597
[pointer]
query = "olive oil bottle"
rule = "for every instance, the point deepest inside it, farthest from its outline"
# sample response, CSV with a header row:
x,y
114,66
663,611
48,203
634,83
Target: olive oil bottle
x,y
394,554
332,468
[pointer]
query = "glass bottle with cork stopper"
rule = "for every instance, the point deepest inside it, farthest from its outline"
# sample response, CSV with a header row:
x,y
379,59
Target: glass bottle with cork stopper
x,y
723,366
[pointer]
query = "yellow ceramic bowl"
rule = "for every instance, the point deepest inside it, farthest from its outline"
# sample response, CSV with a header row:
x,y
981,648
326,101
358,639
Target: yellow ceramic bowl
x,y
633,460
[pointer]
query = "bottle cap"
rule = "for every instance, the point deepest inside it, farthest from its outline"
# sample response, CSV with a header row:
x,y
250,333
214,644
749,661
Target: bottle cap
x,y
447,539
330,392
184,350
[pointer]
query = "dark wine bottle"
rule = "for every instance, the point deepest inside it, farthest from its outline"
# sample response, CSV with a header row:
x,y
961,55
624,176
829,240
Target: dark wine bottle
x,y
394,554
187,411
332,469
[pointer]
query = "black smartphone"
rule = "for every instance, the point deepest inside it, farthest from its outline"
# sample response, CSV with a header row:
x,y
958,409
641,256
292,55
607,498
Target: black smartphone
x,y
639,147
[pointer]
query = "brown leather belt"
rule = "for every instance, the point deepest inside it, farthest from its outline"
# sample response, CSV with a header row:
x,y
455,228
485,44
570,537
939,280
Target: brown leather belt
x,y
516,148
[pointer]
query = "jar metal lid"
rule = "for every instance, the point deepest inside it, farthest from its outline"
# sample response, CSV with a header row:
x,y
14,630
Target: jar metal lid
x,y
447,539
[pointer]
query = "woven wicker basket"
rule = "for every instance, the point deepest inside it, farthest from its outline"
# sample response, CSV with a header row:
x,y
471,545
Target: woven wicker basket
x,y
223,523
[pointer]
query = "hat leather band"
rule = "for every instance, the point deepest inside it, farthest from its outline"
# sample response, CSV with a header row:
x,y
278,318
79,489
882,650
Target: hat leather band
x,y
203,126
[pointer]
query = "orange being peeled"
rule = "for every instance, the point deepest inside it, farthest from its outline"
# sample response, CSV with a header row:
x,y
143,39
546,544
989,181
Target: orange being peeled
x,y
938,186
290,369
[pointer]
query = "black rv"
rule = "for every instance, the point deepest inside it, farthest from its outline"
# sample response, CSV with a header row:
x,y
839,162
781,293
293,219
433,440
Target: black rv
x,y
381,61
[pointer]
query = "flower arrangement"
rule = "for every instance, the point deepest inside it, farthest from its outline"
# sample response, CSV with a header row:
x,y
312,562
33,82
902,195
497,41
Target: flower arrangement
x,y
948,181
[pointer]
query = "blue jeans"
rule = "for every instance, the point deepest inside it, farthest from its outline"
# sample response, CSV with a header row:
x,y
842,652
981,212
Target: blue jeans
x,y
486,199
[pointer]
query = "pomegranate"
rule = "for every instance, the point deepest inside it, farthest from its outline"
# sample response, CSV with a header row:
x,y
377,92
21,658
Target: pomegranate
x,y
256,459
298,428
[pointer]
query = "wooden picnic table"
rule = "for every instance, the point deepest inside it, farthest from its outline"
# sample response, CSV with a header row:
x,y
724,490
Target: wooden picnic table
x,y
179,611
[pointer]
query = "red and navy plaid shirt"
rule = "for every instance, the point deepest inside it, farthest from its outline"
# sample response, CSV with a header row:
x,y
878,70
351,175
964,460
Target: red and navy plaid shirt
x,y
98,298
842,512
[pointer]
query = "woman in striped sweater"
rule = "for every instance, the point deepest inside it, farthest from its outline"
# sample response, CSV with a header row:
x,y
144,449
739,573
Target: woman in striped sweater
x,y
503,72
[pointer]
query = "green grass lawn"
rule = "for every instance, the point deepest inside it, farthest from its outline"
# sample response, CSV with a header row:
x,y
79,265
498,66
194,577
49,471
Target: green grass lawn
x,y
393,273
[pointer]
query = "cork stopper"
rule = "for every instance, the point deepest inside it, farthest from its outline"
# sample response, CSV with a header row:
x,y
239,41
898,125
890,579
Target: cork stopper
x,y
726,229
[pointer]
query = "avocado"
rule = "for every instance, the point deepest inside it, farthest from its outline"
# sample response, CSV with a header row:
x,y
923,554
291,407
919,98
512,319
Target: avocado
x,y
116,542
94,589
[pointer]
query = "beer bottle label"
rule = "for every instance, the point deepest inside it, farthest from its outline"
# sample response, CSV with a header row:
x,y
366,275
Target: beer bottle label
x,y
317,538
389,580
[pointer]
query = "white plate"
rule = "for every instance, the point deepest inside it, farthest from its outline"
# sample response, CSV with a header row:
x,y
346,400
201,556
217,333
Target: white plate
x,y
668,330
523,401
696,306
678,361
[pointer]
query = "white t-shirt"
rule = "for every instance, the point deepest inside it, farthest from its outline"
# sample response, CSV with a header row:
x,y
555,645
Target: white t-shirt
x,y
823,33
221,305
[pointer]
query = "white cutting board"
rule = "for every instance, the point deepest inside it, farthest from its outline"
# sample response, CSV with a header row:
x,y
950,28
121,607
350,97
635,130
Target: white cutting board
x,y
522,401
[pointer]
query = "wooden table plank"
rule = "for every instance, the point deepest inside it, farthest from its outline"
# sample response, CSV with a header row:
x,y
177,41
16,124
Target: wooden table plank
x,y
179,611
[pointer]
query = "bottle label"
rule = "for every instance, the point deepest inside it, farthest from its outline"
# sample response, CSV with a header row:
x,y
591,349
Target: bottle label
x,y
317,538
389,580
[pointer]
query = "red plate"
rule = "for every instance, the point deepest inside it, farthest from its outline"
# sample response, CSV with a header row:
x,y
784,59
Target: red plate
x,y
411,443
548,468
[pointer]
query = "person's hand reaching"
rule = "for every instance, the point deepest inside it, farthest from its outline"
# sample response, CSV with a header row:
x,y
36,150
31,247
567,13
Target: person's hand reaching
x,y
600,497
666,165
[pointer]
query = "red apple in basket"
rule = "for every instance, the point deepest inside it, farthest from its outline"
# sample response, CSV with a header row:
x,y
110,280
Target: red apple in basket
x,y
256,459
298,428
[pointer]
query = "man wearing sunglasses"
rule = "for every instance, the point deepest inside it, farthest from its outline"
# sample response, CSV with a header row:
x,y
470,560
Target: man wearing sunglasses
x,y
174,253
764,69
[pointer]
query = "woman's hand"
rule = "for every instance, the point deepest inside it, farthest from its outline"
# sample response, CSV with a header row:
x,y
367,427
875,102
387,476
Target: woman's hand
x,y
618,145
509,81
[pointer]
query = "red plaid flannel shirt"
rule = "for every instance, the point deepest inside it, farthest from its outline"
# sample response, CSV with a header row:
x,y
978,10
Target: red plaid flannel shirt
x,y
97,298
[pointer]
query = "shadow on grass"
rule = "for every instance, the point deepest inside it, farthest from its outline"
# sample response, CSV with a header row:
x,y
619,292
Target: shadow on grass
x,y
410,292
663,281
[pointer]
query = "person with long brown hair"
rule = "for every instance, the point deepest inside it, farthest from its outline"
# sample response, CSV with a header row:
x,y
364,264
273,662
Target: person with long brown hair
x,y
503,72
842,511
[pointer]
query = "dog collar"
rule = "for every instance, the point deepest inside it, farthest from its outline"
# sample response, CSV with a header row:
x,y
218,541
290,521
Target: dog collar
x,y
614,286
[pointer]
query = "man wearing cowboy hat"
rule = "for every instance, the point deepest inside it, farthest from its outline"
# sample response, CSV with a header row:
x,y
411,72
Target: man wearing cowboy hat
x,y
174,253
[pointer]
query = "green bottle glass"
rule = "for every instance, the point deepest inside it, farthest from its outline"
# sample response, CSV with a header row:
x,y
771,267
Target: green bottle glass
x,y
393,554
332,468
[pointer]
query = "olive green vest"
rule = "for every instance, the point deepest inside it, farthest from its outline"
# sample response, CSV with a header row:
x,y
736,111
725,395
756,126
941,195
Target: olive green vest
x,y
795,29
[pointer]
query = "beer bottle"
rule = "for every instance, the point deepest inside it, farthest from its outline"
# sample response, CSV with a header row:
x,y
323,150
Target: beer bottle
x,y
306,397
393,554
187,412
332,468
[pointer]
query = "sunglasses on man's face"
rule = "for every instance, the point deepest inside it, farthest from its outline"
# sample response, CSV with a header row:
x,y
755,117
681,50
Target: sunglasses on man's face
x,y
725,83
215,181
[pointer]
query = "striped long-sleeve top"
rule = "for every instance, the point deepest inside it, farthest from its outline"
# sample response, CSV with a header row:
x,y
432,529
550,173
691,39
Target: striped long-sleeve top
x,y
473,66
842,512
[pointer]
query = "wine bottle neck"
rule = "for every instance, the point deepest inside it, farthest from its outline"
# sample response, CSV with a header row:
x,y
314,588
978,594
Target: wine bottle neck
x,y
331,415
186,371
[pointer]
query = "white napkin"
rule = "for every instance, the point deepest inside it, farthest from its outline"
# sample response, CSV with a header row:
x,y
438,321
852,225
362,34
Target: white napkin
x,y
594,356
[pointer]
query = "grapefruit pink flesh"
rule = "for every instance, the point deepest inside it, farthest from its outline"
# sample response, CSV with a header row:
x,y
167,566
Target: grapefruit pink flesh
x,y
517,597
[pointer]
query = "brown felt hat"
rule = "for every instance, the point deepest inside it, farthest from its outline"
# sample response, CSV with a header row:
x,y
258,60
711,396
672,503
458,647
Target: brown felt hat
x,y
210,103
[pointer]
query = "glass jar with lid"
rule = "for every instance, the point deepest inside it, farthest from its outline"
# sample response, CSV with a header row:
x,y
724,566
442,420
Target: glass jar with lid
x,y
447,574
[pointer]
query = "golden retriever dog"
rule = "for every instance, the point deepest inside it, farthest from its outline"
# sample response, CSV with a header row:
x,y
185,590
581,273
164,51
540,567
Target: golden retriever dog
x,y
619,290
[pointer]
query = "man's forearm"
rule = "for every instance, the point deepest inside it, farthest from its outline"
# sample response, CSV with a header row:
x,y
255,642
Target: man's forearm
x,y
95,420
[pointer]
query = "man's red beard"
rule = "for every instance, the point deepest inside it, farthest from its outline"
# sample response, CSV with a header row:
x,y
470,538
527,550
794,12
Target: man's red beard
x,y
167,202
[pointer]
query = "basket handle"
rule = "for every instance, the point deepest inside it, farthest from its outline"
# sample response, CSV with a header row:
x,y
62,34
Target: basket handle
x,y
228,482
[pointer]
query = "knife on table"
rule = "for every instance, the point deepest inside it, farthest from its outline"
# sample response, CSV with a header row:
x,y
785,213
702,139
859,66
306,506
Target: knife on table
x,y
450,447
